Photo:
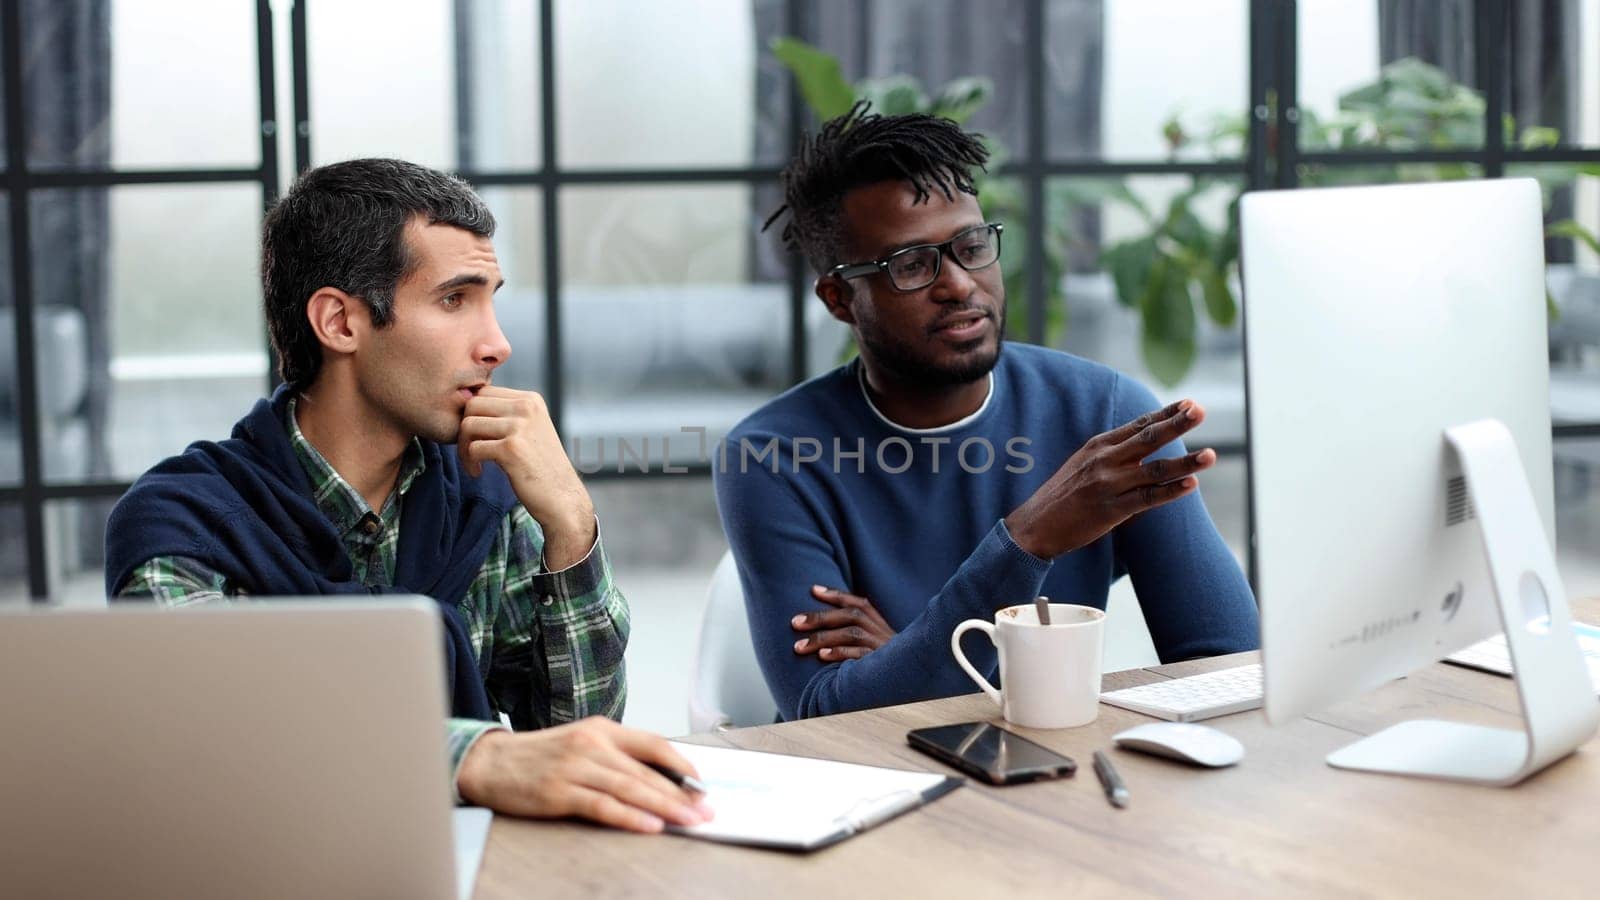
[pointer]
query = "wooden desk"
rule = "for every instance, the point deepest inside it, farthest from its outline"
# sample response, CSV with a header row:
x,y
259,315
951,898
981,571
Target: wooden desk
x,y
1281,823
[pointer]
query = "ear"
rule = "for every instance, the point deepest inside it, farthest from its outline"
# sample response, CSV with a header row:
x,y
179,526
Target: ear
x,y
337,319
836,294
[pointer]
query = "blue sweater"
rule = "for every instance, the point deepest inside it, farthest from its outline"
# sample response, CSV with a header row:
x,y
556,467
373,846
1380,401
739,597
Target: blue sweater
x,y
914,525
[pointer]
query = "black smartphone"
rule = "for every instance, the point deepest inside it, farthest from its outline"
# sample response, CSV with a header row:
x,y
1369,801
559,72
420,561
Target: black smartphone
x,y
990,752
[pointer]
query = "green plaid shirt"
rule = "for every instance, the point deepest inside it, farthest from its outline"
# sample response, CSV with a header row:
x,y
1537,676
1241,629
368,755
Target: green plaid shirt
x,y
556,638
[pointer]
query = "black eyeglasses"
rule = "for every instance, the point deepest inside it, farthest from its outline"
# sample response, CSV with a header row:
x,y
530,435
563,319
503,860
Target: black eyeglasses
x,y
914,268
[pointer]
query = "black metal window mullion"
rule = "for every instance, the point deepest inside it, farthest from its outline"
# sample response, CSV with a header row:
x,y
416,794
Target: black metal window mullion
x,y
795,22
22,298
555,382
1570,155
300,67
1261,45
465,86
1033,171
267,99
1287,64
1489,33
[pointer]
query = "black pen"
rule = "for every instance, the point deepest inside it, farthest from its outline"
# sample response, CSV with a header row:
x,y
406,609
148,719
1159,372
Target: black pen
x,y
678,778
1116,791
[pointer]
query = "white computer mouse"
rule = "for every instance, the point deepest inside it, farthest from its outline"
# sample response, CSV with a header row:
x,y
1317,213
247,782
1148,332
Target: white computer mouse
x,y
1185,741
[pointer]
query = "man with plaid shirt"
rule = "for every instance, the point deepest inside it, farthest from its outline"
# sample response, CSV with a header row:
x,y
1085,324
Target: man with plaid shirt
x,y
388,462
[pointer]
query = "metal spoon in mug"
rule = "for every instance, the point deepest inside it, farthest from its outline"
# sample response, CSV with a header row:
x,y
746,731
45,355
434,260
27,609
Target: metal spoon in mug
x,y
1042,604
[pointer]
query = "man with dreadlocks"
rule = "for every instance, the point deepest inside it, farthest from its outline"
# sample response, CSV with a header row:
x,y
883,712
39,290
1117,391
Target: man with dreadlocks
x,y
935,478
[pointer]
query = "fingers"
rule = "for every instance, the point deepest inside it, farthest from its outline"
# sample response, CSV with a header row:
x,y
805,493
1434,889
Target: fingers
x,y
1168,469
472,440
612,763
1152,495
838,597
499,402
1152,431
478,452
598,806
474,468
479,427
849,636
647,747
495,391
827,618
851,601
624,778
851,630
837,654
593,769
1129,429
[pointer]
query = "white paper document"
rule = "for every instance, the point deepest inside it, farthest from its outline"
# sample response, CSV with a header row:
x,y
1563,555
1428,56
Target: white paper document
x,y
796,803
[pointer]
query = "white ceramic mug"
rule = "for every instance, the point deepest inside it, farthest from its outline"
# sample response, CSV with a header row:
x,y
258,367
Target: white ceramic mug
x,y
1051,672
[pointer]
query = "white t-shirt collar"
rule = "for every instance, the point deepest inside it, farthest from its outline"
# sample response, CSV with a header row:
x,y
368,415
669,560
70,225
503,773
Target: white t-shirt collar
x,y
861,379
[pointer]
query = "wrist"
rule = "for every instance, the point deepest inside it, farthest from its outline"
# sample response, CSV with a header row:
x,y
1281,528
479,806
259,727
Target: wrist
x,y
1024,535
566,543
475,776
560,513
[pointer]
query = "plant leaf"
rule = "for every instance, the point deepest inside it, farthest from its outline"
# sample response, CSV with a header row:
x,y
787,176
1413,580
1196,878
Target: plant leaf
x,y
1130,263
959,99
893,95
1227,251
1167,339
1535,137
1218,296
1569,228
1184,227
822,84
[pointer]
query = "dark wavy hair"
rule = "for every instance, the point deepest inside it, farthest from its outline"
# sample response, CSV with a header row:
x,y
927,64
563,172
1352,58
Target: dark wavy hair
x,y
861,148
343,226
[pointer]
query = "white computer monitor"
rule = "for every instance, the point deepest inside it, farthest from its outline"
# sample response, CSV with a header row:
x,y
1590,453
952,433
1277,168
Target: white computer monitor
x,y
1377,319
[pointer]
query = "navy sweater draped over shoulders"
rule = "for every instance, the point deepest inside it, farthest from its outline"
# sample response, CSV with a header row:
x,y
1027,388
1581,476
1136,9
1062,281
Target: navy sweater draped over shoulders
x,y
244,508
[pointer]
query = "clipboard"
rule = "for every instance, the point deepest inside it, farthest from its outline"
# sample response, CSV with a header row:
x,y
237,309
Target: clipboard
x,y
801,804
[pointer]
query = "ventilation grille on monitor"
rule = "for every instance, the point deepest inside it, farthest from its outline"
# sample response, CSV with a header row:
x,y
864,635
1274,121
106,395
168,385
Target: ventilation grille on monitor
x,y
1458,503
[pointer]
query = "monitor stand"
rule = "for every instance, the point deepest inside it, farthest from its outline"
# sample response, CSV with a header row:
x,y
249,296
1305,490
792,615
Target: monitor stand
x,y
1559,708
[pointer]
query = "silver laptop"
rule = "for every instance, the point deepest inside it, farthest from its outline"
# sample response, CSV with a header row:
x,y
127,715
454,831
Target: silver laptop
x,y
275,749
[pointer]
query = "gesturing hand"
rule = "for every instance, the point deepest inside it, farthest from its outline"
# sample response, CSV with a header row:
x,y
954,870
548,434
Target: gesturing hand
x,y
1106,483
850,631
513,429
594,769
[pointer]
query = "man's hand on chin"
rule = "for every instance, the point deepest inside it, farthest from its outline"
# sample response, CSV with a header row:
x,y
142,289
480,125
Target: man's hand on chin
x,y
513,429
594,769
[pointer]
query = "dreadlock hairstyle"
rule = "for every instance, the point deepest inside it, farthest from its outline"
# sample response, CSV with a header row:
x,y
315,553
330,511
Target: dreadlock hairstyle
x,y
861,148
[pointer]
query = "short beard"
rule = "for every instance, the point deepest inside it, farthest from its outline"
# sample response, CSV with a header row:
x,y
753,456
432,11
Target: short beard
x,y
408,413
901,360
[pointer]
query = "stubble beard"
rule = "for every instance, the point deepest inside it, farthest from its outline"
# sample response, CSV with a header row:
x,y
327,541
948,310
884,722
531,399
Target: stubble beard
x,y
902,360
410,409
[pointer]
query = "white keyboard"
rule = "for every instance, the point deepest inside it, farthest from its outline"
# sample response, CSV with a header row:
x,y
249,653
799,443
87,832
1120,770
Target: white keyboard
x,y
1494,655
1195,697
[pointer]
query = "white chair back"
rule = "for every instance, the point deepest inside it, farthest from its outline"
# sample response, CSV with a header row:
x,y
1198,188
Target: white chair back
x,y
726,689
